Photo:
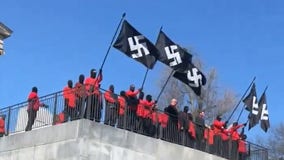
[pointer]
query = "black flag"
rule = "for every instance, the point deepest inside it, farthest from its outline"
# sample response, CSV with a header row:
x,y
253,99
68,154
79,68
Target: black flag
x,y
263,113
136,46
250,99
172,54
253,107
192,77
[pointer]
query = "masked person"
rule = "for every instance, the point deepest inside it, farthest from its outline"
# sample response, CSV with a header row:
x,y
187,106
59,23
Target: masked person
x,y
122,100
69,101
132,102
33,107
80,93
218,127
111,106
93,107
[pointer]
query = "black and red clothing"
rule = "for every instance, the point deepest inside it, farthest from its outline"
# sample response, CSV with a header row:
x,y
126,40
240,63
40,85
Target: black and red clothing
x,y
111,108
70,103
132,102
93,100
33,107
121,111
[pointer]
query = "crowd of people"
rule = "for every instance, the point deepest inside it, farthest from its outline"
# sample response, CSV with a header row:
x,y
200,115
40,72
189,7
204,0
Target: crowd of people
x,y
130,110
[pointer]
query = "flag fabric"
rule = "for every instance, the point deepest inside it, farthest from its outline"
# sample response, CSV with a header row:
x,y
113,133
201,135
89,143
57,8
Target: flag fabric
x,y
263,113
172,54
250,99
136,46
192,77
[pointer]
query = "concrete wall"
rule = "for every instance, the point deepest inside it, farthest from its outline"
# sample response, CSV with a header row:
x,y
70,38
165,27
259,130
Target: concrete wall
x,y
86,140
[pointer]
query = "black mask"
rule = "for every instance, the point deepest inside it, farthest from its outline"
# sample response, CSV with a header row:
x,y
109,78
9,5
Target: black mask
x,y
70,84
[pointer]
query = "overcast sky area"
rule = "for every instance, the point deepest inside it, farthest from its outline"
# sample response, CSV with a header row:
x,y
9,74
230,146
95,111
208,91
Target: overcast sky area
x,y
54,41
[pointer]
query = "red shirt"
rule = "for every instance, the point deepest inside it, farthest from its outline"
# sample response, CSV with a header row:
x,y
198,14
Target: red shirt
x,y
242,148
130,93
93,82
80,90
69,94
2,125
33,101
218,126
191,129
122,105
108,97
234,132
140,108
163,119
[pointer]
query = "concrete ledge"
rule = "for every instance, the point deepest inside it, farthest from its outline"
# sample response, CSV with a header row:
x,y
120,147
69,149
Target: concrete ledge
x,y
87,140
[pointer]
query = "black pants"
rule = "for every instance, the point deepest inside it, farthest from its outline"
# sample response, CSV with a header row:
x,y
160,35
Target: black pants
x,y
31,119
93,108
69,112
2,134
234,150
80,102
200,144
131,119
242,156
218,144
110,114
120,123
225,149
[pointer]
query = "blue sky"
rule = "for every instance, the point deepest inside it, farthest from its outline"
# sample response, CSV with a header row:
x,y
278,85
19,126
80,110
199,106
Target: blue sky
x,y
54,41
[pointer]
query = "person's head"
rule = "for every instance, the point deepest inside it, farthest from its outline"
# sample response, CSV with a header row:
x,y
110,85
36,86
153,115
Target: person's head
x,y
219,118
81,78
185,109
34,89
93,73
244,137
149,98
122,93
111,88
173,102
235,124
201,114
141,95
70,83
132,87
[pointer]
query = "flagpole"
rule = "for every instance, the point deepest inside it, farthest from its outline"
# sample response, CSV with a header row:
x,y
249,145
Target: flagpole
x,y
241,100
145,78
164,86
123,15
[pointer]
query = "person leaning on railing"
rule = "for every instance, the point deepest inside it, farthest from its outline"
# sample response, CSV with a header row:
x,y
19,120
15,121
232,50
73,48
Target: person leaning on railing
x,y
110,106
122,101
33,107
69,101
2,125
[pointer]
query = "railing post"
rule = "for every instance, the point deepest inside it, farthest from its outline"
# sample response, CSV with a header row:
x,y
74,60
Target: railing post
x,y
8,122
55,108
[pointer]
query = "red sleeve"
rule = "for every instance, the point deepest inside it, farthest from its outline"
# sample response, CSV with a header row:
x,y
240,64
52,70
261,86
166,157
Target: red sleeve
x,y
218,124
132,94
149,105
108,97
2,123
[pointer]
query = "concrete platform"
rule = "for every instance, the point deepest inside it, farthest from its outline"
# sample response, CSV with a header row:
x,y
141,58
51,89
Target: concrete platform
x,y
87,140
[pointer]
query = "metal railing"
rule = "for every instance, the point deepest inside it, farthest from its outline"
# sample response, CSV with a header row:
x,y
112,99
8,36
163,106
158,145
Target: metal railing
x,y
148,121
